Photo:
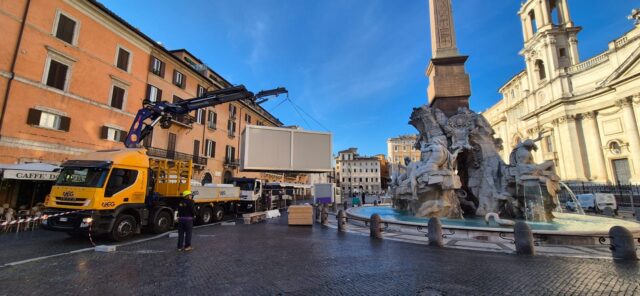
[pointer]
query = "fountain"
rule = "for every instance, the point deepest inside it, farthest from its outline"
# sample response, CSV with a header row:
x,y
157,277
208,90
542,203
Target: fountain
x,y
461,177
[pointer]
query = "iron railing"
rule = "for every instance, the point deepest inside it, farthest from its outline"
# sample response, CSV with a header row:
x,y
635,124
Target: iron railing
x,y
174,155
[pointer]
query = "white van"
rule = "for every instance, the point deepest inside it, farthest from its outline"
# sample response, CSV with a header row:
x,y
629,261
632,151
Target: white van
x,y
597,202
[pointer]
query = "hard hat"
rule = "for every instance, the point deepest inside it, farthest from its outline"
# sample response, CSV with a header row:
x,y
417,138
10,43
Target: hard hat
x,y
186,192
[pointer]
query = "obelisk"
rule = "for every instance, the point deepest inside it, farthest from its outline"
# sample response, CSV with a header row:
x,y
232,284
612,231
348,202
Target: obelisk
x,y
449,86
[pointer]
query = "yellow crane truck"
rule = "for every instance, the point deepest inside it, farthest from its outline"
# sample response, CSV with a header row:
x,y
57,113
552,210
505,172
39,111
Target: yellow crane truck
x,y
118,192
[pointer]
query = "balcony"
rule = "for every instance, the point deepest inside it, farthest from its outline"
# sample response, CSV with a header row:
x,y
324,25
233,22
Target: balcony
x,y
173,155
231,163
184,120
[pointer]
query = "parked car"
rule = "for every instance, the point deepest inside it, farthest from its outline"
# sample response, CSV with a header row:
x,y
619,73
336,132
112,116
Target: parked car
x,y
597,202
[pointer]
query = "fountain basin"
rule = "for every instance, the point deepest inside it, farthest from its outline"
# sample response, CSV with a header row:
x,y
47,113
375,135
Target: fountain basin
x,y
566,228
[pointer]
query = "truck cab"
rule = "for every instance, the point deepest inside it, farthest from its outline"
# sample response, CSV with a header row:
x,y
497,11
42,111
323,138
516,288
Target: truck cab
x,y
251,194
98,187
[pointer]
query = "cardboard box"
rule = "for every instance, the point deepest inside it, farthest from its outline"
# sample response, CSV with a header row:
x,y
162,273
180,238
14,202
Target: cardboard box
x,y
300,215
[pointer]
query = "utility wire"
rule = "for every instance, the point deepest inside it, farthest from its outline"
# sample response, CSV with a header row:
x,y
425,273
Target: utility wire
x,y
305,121
298,108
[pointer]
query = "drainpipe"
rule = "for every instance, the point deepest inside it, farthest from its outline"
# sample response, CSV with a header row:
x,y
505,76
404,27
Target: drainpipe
x,y
13,65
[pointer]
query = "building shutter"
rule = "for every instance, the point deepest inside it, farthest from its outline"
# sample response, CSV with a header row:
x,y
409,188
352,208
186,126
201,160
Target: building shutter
x,y
33,118
65,123
104,132
117,97
151,62
159,96
162,69
123,136
148,92
57,74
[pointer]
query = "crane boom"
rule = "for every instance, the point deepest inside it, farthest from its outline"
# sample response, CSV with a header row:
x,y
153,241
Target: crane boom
x,y
163,112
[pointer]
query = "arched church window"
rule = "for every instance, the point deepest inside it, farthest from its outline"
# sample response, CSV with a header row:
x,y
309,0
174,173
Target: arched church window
x,y
534,24
542,74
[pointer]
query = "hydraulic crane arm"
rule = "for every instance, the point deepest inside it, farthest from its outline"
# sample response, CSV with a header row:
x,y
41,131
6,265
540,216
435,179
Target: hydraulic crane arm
x,y
163,112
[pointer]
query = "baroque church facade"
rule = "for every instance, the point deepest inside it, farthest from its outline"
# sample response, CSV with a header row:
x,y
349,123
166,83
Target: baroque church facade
x,y
585,113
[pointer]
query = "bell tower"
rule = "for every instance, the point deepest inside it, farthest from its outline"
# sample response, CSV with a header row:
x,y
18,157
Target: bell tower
x,y
550,40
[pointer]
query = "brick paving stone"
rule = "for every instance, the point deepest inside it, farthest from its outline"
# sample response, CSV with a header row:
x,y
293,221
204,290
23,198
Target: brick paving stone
x,y
273,258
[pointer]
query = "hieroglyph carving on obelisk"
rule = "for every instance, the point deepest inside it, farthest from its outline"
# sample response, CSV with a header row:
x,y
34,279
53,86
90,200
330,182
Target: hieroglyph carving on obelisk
x,y
443,37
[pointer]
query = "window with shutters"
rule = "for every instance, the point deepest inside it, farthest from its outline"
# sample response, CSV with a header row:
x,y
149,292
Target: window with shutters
x,y
230,155
209,148
65,28
212,120
232,111
179,79
201,90
57,74
157,66
154,94
48,120
200,116
112,134
148,140
117,97
247,118
123,59
231,127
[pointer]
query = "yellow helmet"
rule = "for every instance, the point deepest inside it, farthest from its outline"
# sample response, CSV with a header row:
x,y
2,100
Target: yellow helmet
x,y
186,192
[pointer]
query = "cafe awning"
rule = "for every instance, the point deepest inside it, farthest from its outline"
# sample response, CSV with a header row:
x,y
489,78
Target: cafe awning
x,y
30,171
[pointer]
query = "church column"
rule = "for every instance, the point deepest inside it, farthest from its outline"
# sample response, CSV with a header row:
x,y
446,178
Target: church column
x,y
631,129
595,157
546,13
557,141
572,153
562,5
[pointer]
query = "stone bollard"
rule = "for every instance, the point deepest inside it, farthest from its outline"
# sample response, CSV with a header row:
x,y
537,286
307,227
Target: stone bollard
x,y
608,211
434,232
638,214
623,246
374,226
324,215
523,239
342,221
317,212
345,204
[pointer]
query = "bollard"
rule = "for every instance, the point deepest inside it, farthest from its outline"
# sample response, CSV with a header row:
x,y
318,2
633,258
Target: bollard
x,y
317,213
608,211
637,213
324,216
434,232
345,204
374,226
335,207
342,221
623,246
523,239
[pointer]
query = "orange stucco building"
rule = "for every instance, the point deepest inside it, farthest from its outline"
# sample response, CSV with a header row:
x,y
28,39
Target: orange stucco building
x,y
73,75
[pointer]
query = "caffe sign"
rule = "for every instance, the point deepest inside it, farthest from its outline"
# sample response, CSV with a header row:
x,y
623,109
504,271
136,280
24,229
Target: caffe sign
x,y
30,175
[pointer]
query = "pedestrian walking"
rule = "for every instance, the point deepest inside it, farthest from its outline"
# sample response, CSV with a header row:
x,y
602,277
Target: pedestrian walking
x,y
364,201
186,212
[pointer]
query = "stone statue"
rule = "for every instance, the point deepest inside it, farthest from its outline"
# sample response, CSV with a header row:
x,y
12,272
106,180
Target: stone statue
x,y
460,171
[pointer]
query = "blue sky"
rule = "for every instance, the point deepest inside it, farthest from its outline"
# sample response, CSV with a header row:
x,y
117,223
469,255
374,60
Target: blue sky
x,y
355,66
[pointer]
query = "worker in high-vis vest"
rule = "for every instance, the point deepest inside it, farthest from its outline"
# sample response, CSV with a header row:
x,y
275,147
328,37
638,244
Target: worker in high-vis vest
x,y
186,213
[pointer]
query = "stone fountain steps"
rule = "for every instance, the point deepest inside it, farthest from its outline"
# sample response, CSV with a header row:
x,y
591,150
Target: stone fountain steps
x,y
415,237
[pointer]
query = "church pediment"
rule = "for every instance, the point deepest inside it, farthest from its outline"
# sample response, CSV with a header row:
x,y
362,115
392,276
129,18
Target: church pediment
x,y
629,68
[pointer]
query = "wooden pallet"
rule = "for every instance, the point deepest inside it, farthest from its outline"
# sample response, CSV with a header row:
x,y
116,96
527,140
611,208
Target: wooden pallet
x,y
256,217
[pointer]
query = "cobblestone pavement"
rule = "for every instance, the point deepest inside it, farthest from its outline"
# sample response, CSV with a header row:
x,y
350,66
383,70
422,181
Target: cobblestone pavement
x,y
273,258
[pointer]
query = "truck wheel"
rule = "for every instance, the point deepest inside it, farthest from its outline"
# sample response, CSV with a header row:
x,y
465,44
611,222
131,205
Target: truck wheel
x,y
162,222
218,213
124,227
206,215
